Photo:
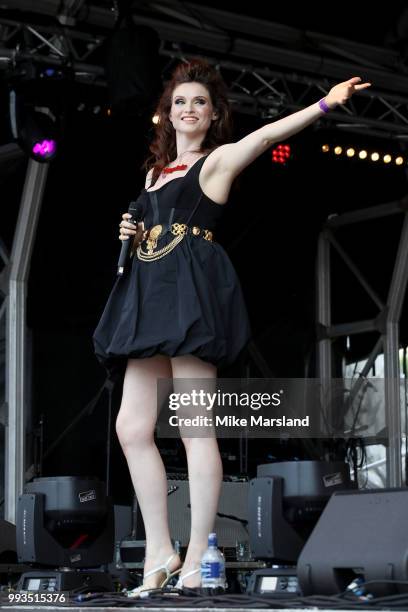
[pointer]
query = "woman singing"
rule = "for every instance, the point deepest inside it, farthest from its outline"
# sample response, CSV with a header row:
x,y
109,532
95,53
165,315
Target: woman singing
x,y
178,312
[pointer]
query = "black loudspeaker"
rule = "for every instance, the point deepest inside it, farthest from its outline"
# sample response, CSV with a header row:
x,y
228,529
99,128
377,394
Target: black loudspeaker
x,y
285,502
231,520
272,537
363,535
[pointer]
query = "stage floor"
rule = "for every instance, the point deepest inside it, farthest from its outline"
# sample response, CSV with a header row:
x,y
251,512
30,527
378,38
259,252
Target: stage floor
x,y
225,603
272,608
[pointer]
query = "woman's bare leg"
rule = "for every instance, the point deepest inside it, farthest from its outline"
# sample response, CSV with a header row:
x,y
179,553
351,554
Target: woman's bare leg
x,y
135,428
204,467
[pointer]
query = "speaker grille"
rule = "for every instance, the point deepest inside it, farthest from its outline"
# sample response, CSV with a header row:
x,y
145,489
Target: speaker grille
x,y
233,502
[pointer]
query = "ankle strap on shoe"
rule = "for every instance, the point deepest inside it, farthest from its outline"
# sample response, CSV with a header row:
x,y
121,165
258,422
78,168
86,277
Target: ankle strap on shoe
x,y
163,567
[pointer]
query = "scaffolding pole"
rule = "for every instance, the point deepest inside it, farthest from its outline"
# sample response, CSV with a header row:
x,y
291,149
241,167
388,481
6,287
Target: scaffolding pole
x,y
16,344
386,323
395,301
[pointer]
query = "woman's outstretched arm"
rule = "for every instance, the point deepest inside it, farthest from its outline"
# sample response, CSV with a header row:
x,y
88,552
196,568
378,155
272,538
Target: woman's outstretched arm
x,y
232,158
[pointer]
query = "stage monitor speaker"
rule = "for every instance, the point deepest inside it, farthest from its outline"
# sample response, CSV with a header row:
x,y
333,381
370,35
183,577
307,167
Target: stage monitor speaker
x,y
231,519
360,534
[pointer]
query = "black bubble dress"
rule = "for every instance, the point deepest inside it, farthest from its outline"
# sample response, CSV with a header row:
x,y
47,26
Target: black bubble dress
x,y
189,302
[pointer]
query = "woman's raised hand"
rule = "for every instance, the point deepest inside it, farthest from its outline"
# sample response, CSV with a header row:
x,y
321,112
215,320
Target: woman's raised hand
x,y
340,93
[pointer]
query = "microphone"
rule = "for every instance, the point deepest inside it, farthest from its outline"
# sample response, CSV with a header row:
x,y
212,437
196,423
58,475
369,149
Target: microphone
x,y
135,210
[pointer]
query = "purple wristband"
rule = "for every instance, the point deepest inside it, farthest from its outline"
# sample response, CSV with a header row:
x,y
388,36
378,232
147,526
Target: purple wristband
x,y
323,105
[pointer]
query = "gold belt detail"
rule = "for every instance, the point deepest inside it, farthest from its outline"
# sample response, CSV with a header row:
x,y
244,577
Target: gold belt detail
x,y
179,230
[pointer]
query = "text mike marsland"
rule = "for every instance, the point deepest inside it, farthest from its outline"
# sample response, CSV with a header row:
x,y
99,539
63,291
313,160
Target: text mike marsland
x,y
233,421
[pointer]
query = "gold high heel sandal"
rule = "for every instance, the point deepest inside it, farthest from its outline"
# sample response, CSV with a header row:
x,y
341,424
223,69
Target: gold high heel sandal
x,y
161,568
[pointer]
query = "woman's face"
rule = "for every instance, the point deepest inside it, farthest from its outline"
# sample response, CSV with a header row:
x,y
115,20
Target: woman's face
x,y
191,110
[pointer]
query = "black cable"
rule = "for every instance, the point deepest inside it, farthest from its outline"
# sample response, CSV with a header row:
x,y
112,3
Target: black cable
x,y
87,410
231,517
346,600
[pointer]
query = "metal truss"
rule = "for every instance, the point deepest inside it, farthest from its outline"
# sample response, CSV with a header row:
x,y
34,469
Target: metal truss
x,y
266,93
13,291
296,78
51,45
386,323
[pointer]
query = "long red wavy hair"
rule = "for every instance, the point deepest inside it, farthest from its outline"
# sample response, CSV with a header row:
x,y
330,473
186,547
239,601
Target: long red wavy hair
x,y
163,148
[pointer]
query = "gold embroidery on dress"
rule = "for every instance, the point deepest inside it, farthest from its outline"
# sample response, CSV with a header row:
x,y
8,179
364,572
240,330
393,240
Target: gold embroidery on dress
x,y
154,234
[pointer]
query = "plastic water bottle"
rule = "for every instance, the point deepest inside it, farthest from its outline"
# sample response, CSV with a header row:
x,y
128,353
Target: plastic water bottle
x,y
213,566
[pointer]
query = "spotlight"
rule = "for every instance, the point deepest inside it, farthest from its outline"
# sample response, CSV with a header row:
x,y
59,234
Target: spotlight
x,y
350,152
37,102
281,154
155,119
387,159
399,161
325,148
45,149
375,157
338,150
65,522
363,154
34,128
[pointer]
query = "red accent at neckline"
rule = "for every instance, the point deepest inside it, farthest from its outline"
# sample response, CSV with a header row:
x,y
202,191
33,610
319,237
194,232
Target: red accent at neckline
x,y
174,169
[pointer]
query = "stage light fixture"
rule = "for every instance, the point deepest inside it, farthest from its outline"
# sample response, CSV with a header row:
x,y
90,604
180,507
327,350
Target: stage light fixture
x,y
285,501
44,149
37,99
33,127
281,154
352,151
155,119
65,522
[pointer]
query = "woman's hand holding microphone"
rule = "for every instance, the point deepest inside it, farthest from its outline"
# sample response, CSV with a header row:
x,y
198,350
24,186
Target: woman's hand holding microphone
x,y
128,229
